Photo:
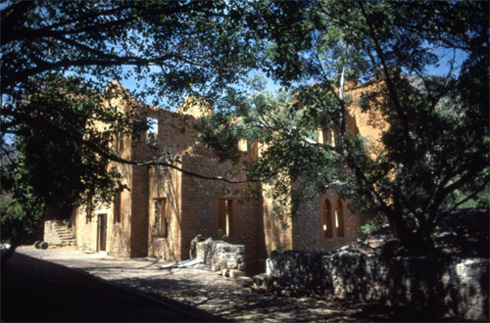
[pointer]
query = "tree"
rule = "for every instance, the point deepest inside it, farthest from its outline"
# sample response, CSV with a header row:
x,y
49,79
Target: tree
x,y
437,140
58,57
172,49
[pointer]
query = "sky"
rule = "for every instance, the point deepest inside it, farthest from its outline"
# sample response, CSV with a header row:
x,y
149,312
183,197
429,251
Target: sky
x,y
441,68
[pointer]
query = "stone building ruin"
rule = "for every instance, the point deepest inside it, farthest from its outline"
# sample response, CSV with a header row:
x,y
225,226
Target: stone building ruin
x,y
164,209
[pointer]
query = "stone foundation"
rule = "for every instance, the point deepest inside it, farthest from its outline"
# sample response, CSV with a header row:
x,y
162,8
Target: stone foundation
x,y
451,288
221,255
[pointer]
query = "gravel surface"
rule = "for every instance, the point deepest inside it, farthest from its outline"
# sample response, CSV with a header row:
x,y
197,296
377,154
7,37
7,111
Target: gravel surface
x,y
225,297
40,291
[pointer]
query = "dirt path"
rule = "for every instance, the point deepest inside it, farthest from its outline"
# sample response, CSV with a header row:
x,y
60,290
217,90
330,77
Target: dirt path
x,y
39,291
217,295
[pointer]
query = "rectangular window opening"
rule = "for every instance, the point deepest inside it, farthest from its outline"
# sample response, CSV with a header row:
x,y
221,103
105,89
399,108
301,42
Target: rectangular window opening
x,y
117,207
225,218
152,132
161,218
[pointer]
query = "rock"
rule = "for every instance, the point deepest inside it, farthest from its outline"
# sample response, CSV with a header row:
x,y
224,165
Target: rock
x,y
220,255
245,281
236,273
37,244
259,280
44,245
226,272
193,252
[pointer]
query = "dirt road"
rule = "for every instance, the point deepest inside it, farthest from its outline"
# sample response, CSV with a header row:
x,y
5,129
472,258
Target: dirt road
x,y
204,291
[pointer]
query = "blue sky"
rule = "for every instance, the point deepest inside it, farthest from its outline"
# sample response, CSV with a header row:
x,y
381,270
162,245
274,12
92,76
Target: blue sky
x,y
442,68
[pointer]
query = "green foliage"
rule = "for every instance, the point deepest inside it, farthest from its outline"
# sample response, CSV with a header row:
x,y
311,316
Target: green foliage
x,y
19,220
173,49
68,128
20,210
437,138
58,62
373,225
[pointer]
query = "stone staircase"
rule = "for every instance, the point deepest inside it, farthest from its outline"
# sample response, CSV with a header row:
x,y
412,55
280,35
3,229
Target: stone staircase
x,y
57,232
65,234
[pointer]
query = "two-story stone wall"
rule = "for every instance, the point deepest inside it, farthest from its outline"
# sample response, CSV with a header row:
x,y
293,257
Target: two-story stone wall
x,y
161,209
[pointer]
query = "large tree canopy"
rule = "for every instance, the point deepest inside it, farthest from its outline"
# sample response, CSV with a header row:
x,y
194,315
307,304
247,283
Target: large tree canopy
x,y
174,48
436,143
59,56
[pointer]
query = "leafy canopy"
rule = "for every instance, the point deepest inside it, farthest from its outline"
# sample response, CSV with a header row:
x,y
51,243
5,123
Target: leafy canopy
x,y
59,56
376,56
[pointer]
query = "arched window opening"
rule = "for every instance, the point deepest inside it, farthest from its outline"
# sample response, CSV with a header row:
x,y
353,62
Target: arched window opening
x,y
327,220
339,219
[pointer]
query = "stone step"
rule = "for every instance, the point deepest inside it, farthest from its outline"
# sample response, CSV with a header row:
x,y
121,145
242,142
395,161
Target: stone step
x,y
63,232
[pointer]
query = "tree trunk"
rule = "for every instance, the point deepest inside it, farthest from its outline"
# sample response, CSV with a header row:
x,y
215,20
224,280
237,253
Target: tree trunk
x,y
417,243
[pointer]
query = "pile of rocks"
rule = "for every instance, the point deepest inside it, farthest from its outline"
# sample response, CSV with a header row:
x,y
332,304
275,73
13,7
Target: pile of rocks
x,y
362,272
223,257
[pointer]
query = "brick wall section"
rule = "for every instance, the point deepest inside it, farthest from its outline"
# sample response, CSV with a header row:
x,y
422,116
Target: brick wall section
x,y
200,207
276,235
139,212
192,203
165,183
308,225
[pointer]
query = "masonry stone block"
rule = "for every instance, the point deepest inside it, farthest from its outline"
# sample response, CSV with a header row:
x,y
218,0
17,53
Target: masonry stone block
x,y
451,287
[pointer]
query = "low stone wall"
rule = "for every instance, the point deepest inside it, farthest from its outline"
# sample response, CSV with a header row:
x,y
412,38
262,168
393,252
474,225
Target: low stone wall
x,y
221,255
51,233
455,289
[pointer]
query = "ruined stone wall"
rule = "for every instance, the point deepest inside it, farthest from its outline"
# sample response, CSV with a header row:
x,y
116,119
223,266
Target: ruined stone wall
x,y
85,230
51,234
452,288
277,234
200,207
192,202
308,225
119,233
175,136
165,183
220,255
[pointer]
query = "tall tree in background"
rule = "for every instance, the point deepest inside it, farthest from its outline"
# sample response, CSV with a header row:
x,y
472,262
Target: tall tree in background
x,y
436,142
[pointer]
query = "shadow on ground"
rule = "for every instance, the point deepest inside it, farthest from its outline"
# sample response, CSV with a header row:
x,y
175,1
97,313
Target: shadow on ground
x,y
33,290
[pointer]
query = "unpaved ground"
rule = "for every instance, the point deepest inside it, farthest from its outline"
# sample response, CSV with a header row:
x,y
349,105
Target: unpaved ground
x,y
217,295
34,290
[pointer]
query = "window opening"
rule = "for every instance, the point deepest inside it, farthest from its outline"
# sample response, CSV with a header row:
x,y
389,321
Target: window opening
x,y
117,207
89,209
152,132
327,220
339,219
161,218
225,218
119,141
